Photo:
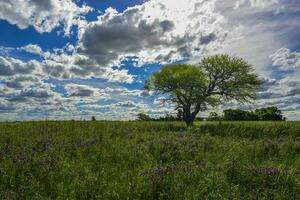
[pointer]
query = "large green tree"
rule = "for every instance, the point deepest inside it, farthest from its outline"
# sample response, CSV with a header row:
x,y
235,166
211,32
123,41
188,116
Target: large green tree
x,y
215,80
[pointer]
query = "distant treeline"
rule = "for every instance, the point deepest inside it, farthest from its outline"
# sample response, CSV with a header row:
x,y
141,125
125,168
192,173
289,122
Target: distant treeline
x,y
263,114
145,117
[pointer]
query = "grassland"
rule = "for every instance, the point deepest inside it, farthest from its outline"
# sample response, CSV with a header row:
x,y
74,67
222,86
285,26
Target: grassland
x,y
149,160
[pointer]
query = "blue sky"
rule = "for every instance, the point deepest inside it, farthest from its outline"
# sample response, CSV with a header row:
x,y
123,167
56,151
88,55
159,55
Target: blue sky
x,y
62,59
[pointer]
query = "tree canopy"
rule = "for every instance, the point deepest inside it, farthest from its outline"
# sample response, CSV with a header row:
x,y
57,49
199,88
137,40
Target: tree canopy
x,y
193,88
270,113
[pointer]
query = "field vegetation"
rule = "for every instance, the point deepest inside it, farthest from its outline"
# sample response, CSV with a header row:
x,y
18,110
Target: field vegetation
x,y
149,160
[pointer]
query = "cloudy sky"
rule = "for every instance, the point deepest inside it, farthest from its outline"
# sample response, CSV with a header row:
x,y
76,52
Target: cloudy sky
x,y
64,59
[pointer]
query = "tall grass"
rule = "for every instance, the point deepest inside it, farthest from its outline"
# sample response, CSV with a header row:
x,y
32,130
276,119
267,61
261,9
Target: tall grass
x,y
149,160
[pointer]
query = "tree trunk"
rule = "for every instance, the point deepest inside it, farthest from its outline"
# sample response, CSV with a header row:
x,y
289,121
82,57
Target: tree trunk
x,y
189,116
189,123
189,119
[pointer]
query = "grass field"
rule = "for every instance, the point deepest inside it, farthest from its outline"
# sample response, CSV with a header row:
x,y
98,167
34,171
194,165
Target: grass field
x,y
149,160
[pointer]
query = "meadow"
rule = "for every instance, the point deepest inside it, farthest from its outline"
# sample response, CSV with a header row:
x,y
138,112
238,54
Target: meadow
x,y
149,160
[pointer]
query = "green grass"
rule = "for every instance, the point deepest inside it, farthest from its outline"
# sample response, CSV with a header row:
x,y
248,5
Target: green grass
x,y
149,160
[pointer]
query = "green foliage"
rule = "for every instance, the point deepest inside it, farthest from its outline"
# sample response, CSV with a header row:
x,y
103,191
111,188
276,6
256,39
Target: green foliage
x,y
230,77
264,114
240,115
193,88
270,113
149,160
143,117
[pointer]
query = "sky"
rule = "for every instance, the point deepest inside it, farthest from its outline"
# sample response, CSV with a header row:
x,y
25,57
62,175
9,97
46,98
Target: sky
x,y
73,59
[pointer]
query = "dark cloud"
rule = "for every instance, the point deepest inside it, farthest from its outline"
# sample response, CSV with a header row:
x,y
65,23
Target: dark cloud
x,y
6,107
10,66
19,81
74,90
127,104
123,34
82,93
36,93
137,32
55,69
43,4
293,92
208,38
13,84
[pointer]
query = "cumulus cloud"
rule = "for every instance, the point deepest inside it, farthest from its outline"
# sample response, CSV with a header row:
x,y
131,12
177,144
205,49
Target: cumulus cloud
x,y
20,81
285,59
283,91
80,90
35,49
32,48
156,31
257,31
62,63
39,91
127,104
10,66
160,101
133,107
255,3
33,100
287,86
43,15
164,32
6,106
36,92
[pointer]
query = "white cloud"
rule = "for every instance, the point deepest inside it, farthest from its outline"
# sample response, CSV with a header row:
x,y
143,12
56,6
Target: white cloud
x,y
259,30
36,49
161,101
61,64
285,59
156,31
76,90
43,15
284,91
256,3
6,106
10,66
32,48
